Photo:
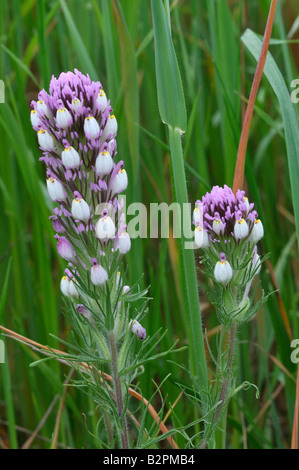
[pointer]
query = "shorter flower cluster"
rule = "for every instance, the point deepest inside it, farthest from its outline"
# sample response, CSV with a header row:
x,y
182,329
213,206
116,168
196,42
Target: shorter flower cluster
x,y
227,229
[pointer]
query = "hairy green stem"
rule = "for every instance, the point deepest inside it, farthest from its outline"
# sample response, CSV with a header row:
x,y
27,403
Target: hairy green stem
x,y
223,395
223,392
118,391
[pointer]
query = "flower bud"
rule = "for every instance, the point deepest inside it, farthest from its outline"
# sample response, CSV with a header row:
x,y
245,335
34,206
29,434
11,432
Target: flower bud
x,y
218,226
91,128
35,120
70,158
197,216
45,140
104,164
43,109
246,202
240,229
257,232
64,285
110,129
120,182
76,104
105,228
223,272
101,102
63,118
123,243
57,225
65,249
201,238
55,190
84,312
137,329
98,275
80,210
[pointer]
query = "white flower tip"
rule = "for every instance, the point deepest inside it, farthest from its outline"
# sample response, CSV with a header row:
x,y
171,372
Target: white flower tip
x,y
223,272
123,243
63,118
201,238
120,182
241,229
45,140
70,158
105,228
55,190
98,275
91,128
257,231
80,210
110,128
104,163
218,226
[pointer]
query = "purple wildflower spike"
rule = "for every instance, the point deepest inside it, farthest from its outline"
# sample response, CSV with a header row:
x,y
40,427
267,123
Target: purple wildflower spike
x,y
225,215
76,131
227,229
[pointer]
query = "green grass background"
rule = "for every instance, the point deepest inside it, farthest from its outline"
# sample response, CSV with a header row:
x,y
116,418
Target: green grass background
x,y
113,41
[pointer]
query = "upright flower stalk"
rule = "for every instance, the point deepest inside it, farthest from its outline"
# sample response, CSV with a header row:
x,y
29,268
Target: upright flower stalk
x,y
76,132
227,229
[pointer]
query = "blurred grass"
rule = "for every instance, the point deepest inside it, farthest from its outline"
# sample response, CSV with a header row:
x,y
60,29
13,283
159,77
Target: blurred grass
x,y
113,41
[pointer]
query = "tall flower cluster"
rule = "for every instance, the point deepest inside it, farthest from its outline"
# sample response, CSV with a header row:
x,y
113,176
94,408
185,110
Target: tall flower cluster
x,y
228,229
76,132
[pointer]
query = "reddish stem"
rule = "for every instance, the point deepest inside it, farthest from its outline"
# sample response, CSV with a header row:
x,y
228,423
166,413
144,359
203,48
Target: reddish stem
x,y
240,164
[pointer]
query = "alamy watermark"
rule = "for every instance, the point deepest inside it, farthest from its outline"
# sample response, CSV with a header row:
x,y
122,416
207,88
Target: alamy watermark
x,y
2,92
2,352
295,93
158,220
295,352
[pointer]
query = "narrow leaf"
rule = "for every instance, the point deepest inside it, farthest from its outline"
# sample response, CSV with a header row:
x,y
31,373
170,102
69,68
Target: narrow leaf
x,y
170,91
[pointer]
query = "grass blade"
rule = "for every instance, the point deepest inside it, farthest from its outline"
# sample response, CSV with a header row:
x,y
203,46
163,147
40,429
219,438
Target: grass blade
x,y
173,112
170,90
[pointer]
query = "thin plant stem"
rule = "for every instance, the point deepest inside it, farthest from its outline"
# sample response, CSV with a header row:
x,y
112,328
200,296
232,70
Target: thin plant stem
x,y
118,391
241,157
224,389
223,392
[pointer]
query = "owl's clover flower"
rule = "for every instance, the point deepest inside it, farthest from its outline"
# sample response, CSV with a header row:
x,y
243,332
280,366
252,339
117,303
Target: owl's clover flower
x,y
226,216
76,132
223,271
227,229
